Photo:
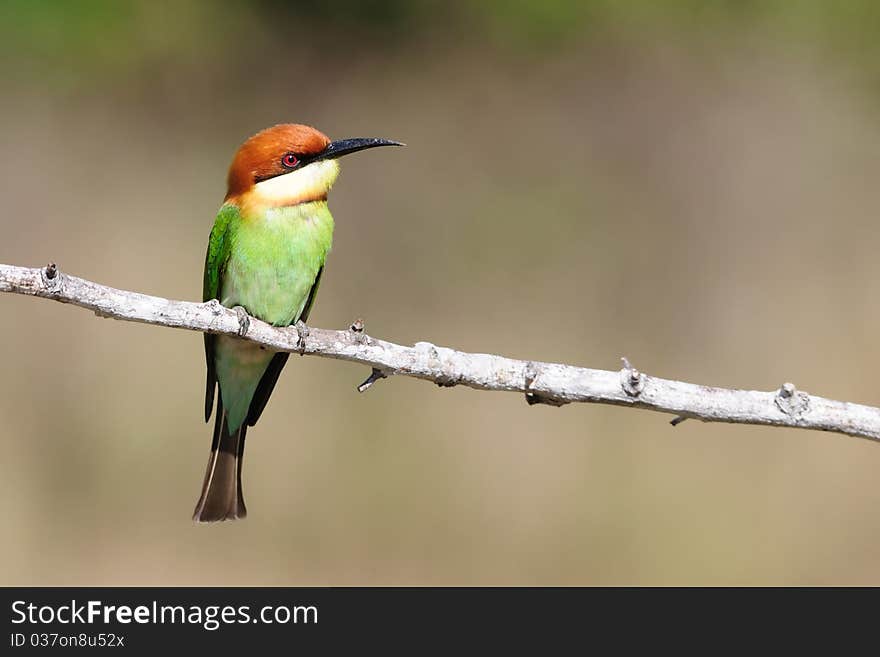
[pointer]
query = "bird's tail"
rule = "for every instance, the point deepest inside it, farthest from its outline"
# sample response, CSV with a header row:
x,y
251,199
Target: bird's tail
x,y
222,497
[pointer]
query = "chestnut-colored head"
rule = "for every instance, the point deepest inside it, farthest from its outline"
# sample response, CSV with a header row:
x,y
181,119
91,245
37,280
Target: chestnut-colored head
x,y
288,164
272,152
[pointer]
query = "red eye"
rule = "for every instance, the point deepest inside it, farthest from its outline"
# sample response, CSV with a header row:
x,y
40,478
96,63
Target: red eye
x,y
289,160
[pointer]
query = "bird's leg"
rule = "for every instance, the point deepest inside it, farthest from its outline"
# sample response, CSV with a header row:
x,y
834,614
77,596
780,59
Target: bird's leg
x,y
244,320
302,332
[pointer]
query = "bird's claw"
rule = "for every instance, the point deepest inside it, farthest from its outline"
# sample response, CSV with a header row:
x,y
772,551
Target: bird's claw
x,y
244,320
302,332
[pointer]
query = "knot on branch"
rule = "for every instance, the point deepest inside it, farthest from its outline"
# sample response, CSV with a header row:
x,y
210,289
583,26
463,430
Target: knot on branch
x,y
791,401
447,379
532,398
51,277
214,306
427,348
438,359
631,380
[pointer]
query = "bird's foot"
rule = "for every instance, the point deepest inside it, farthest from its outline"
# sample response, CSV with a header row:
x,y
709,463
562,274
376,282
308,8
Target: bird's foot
x,y
244,320
302,332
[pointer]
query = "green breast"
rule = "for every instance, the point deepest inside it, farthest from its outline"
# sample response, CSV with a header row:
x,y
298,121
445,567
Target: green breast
x,y
274,260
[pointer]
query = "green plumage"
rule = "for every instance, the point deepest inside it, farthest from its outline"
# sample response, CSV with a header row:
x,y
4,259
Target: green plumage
x,y
267,264
270,264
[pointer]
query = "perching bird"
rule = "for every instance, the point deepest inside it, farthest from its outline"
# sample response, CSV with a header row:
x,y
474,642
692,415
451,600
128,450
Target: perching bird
x,y
265,258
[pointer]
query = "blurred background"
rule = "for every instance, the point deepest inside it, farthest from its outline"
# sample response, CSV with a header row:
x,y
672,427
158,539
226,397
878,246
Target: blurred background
x,y
690,184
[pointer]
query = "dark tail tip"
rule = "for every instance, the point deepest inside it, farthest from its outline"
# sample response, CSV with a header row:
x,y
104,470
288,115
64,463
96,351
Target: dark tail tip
x,y
216,505
222,497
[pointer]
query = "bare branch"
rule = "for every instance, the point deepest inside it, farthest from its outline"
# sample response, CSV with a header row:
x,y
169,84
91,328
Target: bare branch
x,y
545,383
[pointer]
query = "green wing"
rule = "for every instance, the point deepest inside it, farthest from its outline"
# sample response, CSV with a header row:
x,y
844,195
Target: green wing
x,y
218,252
215,266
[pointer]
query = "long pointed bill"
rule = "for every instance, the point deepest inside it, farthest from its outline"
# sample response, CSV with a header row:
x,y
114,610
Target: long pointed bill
x,y
342,147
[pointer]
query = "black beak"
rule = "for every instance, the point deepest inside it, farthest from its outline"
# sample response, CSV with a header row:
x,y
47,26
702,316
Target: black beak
x,y
345,146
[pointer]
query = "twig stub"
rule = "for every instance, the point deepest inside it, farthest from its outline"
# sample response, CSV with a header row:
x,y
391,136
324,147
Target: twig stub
x,y
631,380
791,401
375,375
51,277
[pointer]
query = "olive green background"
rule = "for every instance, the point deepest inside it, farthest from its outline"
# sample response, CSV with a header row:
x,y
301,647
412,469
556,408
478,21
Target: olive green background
x,y
693,185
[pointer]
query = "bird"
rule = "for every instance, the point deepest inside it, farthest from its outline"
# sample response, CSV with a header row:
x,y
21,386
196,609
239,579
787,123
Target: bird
x,y
265,258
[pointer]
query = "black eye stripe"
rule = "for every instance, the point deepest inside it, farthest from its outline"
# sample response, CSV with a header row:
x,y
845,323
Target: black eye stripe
x,y
298,162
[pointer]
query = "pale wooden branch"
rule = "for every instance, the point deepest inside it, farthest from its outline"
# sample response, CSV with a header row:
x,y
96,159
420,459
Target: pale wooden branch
x,y
545,383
